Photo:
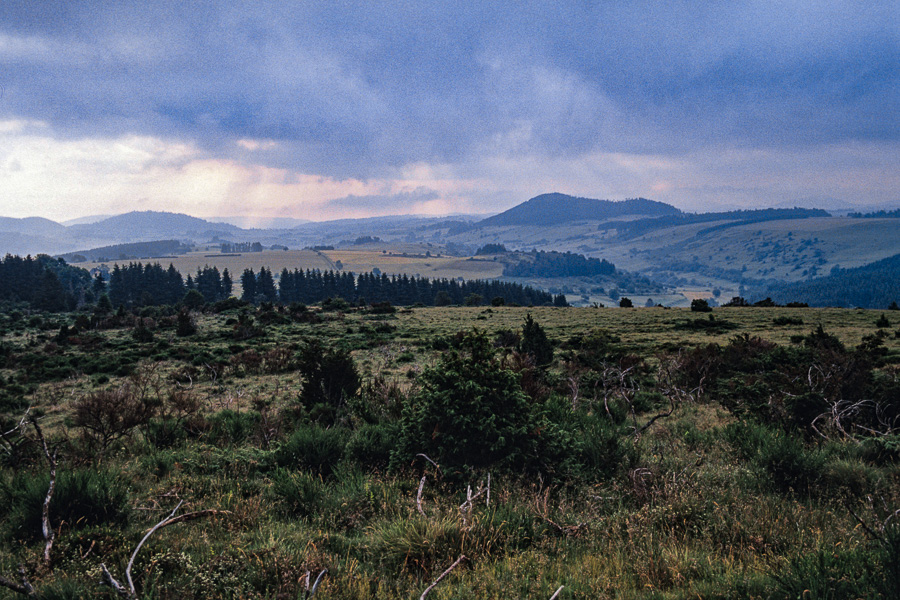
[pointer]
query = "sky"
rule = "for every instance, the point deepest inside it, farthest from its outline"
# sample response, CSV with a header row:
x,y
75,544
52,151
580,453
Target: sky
x,y
339,109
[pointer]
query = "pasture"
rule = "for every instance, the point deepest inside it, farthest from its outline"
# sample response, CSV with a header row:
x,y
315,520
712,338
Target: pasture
x,y
630,481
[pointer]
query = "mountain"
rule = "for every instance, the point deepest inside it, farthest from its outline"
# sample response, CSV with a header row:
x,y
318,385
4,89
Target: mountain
x,y
260,222
555,208
150,225
32,226
86,220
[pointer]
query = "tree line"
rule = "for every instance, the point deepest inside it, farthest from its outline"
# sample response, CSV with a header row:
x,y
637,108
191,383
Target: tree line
x,y
559,264
311,286
43,282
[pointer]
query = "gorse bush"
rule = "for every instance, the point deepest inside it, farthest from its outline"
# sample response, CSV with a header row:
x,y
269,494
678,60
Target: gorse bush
x,y
469,412
82,498
371,445
313,447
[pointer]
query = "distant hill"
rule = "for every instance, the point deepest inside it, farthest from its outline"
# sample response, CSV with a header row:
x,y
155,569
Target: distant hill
x,y
150,225
733,218
876,285
260,222
133,251
86,220
555,208
36,226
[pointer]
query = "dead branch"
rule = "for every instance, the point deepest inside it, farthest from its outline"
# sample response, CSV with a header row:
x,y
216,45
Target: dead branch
x,y
556,593
461,558
141,543
653,419
419,495
131,592
4,436
24,588
109,580
437,466
191,516
20,425
49,534
315,586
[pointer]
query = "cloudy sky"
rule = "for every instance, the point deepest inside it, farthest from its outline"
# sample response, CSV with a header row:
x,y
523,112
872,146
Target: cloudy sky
x,y
334,109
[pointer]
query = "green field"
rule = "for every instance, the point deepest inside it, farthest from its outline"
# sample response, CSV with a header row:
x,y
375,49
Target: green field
x,y
660,453
358,261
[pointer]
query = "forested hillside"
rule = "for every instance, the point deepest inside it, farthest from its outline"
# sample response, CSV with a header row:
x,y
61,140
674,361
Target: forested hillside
x,y
873,286
551,209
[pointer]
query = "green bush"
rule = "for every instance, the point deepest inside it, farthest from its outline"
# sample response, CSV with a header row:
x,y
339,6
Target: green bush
x,y
372,444
231,427
470,411
791,467
700,305
535,342
82,498
301,493
312,447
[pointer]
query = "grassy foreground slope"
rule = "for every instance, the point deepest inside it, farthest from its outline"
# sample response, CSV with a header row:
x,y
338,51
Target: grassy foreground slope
x,y
660,453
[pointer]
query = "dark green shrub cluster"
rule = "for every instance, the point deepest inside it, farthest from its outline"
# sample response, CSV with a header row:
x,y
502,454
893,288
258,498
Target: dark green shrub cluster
x,y
82,498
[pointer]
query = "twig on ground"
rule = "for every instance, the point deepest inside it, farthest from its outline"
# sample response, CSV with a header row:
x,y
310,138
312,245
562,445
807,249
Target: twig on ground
x,y
461,558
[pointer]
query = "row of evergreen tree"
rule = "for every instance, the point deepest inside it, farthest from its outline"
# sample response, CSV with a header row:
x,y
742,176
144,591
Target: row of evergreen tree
x,y
559,264
313,286
43,282
50,284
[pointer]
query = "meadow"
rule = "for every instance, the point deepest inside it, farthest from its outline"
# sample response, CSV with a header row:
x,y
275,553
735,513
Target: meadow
x,y
393,262
584,452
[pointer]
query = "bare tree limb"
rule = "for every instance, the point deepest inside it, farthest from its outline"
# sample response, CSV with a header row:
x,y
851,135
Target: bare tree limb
x,y
46,529
429,460
141,543
24,588
419,495
315,586
461,558
109,580
170,520
21,424
199,514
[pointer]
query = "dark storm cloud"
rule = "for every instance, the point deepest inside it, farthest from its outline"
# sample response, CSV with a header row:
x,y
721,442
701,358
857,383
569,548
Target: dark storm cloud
x,y
351,88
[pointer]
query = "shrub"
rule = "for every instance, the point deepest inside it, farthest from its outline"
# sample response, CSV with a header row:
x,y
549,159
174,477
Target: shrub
x,y
470,411
106,416
231,427
535,343
787,321
82,498
700,305
329,377
313,447
186,326
371,445
301,493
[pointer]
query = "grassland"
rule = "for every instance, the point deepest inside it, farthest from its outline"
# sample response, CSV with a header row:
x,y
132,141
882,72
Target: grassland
x,y
357,261
705,503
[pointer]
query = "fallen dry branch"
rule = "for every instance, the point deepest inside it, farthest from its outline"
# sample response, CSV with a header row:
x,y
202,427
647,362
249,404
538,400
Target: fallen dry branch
x,y
461,558
24,588
568,530
315,587
556,593
419,496
49,534
131,592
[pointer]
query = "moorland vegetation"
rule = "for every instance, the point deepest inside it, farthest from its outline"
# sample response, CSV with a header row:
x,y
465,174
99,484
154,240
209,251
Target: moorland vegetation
x,y
349,451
